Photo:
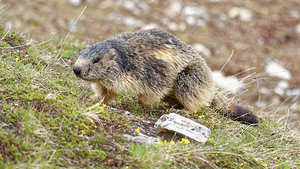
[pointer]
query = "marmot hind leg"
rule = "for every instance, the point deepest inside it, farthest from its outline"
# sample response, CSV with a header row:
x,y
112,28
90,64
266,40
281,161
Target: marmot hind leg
x,y
194,87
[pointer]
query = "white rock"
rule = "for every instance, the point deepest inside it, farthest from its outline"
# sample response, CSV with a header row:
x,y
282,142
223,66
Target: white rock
x,y
293,93
276,100
265,91
72,26
294,106
275,69
174,9
281,87
75,2
176,27
182,125
202,49
230,83
217,0
297,29
144,6
242,14
132,22
295,14
50,96
149,26
195,15
141,138
130,5
195,11
172,25
261,104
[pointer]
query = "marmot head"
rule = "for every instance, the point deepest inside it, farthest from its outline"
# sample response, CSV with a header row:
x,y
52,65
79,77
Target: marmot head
x,y
98,62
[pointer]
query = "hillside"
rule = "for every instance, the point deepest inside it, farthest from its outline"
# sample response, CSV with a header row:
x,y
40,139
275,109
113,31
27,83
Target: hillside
x,y
48,118
258,33
44,122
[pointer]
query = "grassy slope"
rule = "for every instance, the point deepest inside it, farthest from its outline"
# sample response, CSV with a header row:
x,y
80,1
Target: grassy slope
x,y
46,131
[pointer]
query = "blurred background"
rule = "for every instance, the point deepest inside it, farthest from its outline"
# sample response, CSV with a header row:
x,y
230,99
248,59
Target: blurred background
x,y
253,47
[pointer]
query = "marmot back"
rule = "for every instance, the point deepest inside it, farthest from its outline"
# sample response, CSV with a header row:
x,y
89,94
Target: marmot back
x,y
153,65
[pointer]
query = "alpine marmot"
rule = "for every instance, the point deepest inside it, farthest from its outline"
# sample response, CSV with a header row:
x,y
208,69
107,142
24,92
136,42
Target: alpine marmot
x,y
155,66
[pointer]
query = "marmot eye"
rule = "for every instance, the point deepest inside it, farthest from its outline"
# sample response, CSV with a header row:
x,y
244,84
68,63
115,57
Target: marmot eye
x,y
96,60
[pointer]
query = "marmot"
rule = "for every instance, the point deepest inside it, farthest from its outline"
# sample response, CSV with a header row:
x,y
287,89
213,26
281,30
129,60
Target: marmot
x,y
155,66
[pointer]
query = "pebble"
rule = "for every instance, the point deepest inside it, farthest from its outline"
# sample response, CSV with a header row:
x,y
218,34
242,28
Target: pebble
x,y
75,2
50,96
149,26
174,9
297,29
72,26
195,16
281,87
242,14
131,21
293,93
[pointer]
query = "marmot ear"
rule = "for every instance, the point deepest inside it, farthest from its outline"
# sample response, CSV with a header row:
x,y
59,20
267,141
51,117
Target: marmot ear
x,y
111,54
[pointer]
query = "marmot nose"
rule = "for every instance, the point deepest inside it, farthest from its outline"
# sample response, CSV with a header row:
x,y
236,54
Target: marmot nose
x,y
77,71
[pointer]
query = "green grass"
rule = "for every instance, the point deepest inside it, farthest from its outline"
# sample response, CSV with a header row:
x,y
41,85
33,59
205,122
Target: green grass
x,y
56,132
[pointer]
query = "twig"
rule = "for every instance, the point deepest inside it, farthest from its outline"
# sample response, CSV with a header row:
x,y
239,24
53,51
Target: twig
x,y
66,37
232,52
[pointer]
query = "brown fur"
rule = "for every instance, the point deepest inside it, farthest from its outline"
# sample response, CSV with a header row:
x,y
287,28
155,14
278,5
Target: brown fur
x,y
153,65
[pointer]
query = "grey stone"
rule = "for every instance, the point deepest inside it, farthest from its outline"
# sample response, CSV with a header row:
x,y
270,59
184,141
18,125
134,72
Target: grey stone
x,y
141,138
184,126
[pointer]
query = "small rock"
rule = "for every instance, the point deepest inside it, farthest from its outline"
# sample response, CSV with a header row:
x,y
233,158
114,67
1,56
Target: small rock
x,y
141,138
265,91
293,93
150,26
202,49
176,27
50,96
75,2
182,125
297,29
132,22
281,87
242,14
294,106
275,69
130,5
260,104
174,9
295,14
217,0
72,26
172,25
275,100
230,83
195,15
144,6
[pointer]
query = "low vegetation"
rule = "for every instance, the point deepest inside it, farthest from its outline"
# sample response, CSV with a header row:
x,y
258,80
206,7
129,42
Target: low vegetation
x,y
43,122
